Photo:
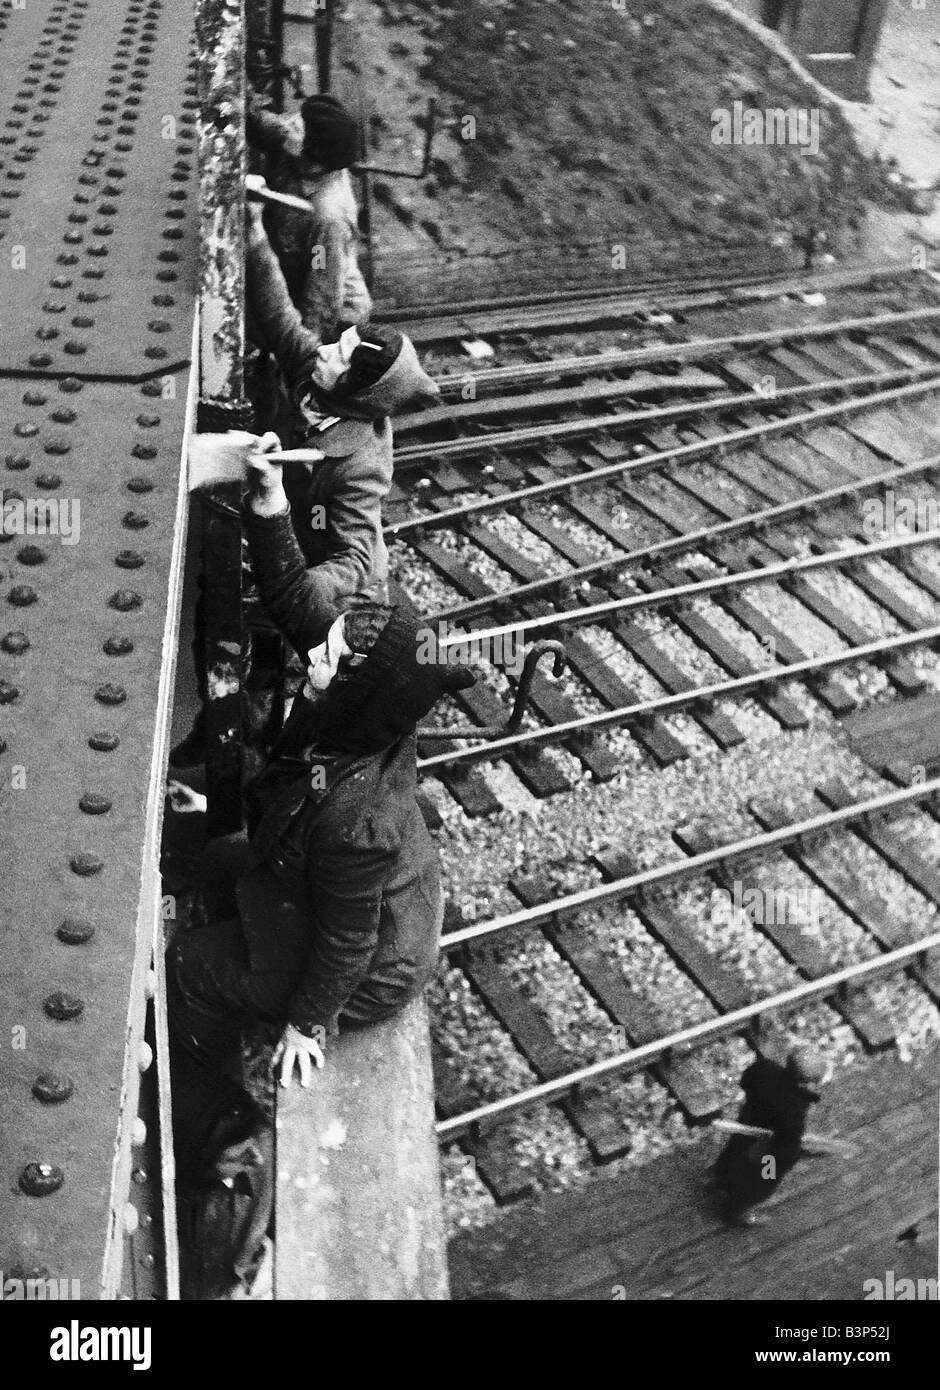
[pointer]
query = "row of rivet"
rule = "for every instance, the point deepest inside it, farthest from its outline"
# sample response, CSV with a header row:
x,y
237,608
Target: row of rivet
x,y
66,33
50,1088
107,209
40,1178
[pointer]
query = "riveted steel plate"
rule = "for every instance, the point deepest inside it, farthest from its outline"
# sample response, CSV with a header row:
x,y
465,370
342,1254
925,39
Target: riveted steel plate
x,y
89,555
82,615
97,145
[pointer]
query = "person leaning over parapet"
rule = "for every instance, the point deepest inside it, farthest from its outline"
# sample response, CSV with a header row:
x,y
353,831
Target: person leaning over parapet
x,y
342,395
308,155
330,918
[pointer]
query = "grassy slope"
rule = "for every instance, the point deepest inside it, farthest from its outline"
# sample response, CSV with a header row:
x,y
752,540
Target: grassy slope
x,y
595,121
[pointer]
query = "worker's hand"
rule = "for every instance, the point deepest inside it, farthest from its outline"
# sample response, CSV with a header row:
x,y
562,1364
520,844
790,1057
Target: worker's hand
x,y
265,477
254,210
183,799
264,474
297,1048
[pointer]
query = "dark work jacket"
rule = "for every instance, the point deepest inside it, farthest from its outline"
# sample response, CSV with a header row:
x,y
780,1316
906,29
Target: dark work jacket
x,y
771,1101
343,882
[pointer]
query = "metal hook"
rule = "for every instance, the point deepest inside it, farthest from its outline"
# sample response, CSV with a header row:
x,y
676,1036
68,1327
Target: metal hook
x,y
532,658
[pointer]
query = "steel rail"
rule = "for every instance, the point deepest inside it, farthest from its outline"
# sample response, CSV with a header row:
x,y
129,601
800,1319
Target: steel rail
x,y
692,590
887,962
694,449
698,382
437,313
687,540
437,322
667,704
413,455
695,349
690,866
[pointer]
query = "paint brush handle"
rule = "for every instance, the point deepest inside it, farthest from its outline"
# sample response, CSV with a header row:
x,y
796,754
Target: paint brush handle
x,y
257,191
295,456
216,459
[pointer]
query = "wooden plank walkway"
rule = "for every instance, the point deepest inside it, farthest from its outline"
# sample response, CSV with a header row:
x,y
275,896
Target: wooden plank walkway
x,y
650,1234
903,732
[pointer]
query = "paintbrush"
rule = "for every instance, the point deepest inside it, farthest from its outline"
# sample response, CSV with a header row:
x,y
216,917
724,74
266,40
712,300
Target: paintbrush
x,y
257,191
222,458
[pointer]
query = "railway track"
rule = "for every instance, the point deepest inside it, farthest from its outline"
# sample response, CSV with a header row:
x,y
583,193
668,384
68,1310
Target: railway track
x,y
542,536
675,472
438,327
694,514
641,1034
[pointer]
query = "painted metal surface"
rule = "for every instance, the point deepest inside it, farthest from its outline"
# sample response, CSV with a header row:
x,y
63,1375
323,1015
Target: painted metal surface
x,y
98,278
99,172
